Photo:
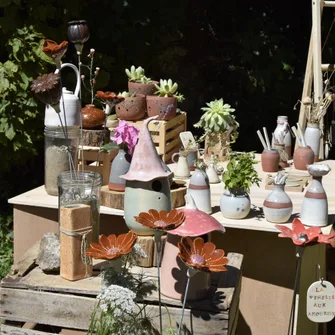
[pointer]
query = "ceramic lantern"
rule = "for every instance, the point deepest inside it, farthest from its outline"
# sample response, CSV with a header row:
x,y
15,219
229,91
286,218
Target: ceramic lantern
x,y
173,270
147,184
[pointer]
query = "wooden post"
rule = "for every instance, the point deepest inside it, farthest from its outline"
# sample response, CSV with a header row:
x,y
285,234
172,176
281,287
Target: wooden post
x,y
75,227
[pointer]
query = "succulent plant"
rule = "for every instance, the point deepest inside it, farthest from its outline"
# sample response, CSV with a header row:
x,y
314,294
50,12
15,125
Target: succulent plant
x,y
126,94
167,88
137,75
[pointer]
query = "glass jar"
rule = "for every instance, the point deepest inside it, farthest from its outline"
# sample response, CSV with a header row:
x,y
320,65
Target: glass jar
x,y
60,154
81,187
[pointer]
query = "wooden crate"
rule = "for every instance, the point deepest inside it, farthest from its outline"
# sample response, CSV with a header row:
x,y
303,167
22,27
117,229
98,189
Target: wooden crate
x,y
51,300
165,134
95,161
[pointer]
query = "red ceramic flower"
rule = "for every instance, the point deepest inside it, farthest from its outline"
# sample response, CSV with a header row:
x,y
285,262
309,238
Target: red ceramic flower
x,y
110,98
161,220
54,50
48,88
112,247
202,256
300,235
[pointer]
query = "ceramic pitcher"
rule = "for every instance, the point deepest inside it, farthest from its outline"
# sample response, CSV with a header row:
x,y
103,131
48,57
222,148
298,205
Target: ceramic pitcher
x,y
182,171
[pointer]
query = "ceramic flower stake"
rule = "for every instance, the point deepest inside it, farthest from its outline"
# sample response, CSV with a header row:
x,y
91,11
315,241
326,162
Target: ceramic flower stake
x,y
160,222
199,256
301,237
55,51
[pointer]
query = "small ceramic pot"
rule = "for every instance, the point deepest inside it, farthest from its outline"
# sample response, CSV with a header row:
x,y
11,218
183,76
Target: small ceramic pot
x,y
120,166
277,206
132,108
302,157
139,88
270,160
212,175
165,107
199,189
92,117
235,204
182,171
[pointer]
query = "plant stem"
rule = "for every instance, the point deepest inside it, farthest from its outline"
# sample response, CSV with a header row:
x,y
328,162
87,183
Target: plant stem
x,y
158,242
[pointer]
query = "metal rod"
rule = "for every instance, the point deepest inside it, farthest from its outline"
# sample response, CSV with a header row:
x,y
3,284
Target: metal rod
x,y
329,3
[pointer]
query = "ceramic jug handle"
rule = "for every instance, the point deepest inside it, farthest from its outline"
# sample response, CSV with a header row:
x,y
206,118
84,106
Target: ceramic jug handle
x,y
175,155
75,69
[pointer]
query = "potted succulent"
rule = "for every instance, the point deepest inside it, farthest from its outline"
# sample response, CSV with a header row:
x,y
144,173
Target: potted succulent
x,y
164,102
138,83
239,176
220,127
132,108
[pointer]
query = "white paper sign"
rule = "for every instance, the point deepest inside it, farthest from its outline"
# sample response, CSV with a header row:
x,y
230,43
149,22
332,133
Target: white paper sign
x,y
321,302
187,139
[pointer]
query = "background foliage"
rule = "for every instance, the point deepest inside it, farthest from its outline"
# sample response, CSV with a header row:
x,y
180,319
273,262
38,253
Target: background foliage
x,y
252,54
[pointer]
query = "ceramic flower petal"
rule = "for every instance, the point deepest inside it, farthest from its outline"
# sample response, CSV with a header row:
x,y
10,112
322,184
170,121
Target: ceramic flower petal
x,y
54,50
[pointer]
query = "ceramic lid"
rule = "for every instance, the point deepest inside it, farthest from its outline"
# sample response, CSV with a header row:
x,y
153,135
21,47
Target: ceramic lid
x,y
145,165
196,222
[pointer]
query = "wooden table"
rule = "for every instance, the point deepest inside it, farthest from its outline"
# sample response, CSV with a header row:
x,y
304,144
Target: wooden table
x,y
269,264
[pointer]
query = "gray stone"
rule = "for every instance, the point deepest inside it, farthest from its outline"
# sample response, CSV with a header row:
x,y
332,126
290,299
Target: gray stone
x,y
49,255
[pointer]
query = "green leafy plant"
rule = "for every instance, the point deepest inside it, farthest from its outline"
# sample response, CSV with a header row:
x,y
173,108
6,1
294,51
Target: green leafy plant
x,y
167,88
6,244
126,94
137,75
241,172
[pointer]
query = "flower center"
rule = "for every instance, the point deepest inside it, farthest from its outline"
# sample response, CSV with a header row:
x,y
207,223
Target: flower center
x,y
303,237
197,259
113,251
160,223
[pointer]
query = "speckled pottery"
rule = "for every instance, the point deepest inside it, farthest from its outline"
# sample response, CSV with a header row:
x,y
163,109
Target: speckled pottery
x,y
164,107
235,204
132,108
270,160
200,191
140,88
277,206
314,211
302,157
147,184
92,117
120,166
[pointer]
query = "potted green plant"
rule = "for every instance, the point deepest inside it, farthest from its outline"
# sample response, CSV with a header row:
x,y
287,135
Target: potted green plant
x,y
164,102
220,127
239,176
138,83
132,108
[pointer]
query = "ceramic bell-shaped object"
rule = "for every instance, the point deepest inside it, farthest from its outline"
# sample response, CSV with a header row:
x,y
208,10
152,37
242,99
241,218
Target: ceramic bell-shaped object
x,y
211,172
147,183
173,270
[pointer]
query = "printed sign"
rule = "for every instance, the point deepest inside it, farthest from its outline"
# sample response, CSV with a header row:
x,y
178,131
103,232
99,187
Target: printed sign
x,y
321,301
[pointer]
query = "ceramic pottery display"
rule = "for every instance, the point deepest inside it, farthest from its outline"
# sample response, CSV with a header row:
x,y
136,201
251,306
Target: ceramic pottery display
x,y
164,107
212,175
92,117
302,157
120,166
139,88
173,270
182,171
312,138
270,160
200,191
132,108
235,204
283,127
283,155
277,206
147,184
192,157
314,211
68,104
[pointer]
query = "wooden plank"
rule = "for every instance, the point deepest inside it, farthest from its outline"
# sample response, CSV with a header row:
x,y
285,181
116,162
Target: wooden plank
x,y
10,330
175,132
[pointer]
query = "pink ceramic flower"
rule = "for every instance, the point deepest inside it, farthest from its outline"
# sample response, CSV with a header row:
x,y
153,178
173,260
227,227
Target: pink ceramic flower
x,y
126,134
302,236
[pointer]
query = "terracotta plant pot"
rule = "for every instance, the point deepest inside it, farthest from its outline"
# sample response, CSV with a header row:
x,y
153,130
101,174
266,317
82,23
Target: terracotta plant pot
x,y
270,160
132,108
139,88
302,157
166,107
92,116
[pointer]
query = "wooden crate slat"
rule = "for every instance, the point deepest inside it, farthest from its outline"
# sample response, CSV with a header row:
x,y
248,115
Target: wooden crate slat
x,y
175,132
10,330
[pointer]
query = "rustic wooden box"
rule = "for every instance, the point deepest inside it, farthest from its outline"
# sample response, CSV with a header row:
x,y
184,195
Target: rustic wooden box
x,y
96,161
165,134
52,300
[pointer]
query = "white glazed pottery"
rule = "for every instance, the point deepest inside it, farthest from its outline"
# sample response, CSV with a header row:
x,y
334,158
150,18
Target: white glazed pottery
x,y
69,105
277,206
282,125
314,211
235,204
182,171
312,138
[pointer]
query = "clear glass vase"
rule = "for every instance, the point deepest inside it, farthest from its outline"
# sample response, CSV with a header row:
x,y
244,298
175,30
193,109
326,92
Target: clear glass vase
x,y
81,187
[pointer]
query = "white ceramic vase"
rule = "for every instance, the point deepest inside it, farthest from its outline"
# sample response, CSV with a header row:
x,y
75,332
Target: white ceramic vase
x,y
312,138
235,204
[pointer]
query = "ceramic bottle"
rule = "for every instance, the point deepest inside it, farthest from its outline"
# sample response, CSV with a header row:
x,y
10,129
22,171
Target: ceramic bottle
x,y
282,124
120,166
312,138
